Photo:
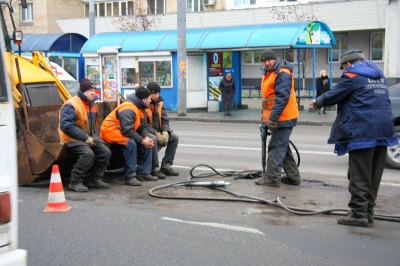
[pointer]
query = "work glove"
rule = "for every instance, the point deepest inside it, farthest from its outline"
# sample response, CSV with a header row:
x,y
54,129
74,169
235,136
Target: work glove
x,y
272,125
90,141
162,138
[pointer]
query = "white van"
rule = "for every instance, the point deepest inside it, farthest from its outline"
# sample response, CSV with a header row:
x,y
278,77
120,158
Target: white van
x,y
9,252
69,82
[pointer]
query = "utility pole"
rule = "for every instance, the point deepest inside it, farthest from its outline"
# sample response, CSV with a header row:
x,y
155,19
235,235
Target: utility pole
x,y
182,74
92,22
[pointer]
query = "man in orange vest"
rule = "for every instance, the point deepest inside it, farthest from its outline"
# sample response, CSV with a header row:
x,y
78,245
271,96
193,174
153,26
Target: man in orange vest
x,y
280,113
125,126
160,131
77,130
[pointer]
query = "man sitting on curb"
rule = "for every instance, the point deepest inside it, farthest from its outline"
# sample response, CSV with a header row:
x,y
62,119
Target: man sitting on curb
x,y
125,126
77,130
159,130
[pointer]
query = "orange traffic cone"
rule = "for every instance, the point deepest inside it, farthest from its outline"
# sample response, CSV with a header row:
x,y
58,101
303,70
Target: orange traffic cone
x,y
56,201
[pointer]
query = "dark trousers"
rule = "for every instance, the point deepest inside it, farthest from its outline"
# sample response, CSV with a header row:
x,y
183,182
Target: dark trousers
x,y
92,161
137,159
170,151
365,174
280,155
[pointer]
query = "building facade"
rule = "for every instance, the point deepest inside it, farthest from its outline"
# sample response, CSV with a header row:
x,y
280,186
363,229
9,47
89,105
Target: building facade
x,y
372,29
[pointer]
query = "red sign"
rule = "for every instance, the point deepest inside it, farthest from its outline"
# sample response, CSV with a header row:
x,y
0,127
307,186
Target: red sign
x,y
215,64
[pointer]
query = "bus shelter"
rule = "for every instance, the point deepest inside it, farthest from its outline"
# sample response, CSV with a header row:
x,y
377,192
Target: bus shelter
x,y
63,49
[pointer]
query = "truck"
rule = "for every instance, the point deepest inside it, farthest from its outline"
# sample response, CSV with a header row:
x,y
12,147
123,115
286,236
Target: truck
x,y
10,254
38,94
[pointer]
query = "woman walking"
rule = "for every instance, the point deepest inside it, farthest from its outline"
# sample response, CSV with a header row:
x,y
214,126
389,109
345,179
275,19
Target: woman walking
x,y
227,88
322,86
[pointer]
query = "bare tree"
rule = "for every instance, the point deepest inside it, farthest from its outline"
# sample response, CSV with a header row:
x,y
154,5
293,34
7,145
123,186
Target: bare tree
x,y
141,20
291,13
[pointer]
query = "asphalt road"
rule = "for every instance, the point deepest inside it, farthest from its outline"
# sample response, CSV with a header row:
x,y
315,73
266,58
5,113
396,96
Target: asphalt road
x,y
126,226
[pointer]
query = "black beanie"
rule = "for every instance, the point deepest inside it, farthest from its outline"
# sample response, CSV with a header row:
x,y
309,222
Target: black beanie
x,y
86,85
153,87
142,93
268,54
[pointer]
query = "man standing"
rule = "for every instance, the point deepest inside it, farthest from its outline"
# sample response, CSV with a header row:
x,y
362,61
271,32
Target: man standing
x,y
160,131
125,126
77,130
280,113
363,128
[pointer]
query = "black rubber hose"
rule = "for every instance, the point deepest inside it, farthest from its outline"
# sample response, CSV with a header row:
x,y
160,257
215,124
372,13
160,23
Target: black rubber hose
x,y
245,198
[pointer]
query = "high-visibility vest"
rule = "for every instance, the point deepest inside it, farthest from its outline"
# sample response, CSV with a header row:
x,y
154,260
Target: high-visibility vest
x,y
82,110
111,127
291,110
150,112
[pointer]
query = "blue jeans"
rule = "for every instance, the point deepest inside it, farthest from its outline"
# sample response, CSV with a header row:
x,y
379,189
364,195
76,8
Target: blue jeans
x,y
137,159
280,155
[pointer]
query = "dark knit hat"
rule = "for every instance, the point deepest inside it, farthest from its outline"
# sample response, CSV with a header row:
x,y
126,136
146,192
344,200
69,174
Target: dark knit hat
x,y
153,87
142,93
268,54
86,84
351,56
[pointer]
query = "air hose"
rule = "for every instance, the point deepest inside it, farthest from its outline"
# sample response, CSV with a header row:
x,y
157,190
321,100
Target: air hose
x,y
220,186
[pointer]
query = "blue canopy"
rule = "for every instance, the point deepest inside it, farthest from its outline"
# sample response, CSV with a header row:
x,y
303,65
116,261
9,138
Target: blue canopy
x,y
65,42
291,35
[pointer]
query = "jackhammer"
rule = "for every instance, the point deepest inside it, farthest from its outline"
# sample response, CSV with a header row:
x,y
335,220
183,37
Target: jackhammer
x,y
263,133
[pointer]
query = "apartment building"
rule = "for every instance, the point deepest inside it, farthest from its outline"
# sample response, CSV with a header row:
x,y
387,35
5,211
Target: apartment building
x,y
368,25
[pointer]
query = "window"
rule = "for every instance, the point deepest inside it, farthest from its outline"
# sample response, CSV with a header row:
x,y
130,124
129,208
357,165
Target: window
x,y
194,5
158,71
377,44
27,13
145,69
155,6
339,48
113,8
251,57
244,2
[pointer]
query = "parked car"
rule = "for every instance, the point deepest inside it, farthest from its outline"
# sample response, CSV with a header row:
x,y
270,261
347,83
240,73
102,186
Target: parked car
x,y
393,154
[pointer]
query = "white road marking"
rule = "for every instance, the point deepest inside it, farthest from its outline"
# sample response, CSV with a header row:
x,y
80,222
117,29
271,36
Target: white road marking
x,y
217,225
251,149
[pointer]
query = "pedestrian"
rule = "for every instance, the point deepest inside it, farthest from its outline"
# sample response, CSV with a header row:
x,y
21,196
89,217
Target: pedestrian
x,y
363,128
228,88
125,126
78,133
323,85
279,115
162,134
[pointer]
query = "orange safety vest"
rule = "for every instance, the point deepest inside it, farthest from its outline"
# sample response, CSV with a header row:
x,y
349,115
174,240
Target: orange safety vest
x,y
291,110
151,110
82,109
111,127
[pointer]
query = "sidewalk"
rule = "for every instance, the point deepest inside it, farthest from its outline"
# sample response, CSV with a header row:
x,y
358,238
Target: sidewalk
x,y
253,115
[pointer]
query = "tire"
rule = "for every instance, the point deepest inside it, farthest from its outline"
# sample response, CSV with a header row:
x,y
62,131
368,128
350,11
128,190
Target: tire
x,y
393,153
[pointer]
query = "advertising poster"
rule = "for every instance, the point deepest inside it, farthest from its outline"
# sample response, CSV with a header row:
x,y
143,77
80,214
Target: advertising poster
x,y
227,59
213,91
215,64
110,80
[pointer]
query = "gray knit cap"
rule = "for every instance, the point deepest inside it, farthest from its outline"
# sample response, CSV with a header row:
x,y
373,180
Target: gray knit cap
x,y
351,56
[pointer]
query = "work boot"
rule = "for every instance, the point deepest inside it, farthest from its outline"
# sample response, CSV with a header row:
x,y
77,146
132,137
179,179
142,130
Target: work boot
x,y
324,112
353,221
132,182
370,216
169,171
146,177
78,187
265,181
98,184
291,180
158,174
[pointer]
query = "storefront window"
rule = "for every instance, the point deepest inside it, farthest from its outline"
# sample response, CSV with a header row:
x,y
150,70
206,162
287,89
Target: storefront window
x,y
377,39
128,77
159,71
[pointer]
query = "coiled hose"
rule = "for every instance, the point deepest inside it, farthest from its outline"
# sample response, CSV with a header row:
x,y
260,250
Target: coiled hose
x,y
245,198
